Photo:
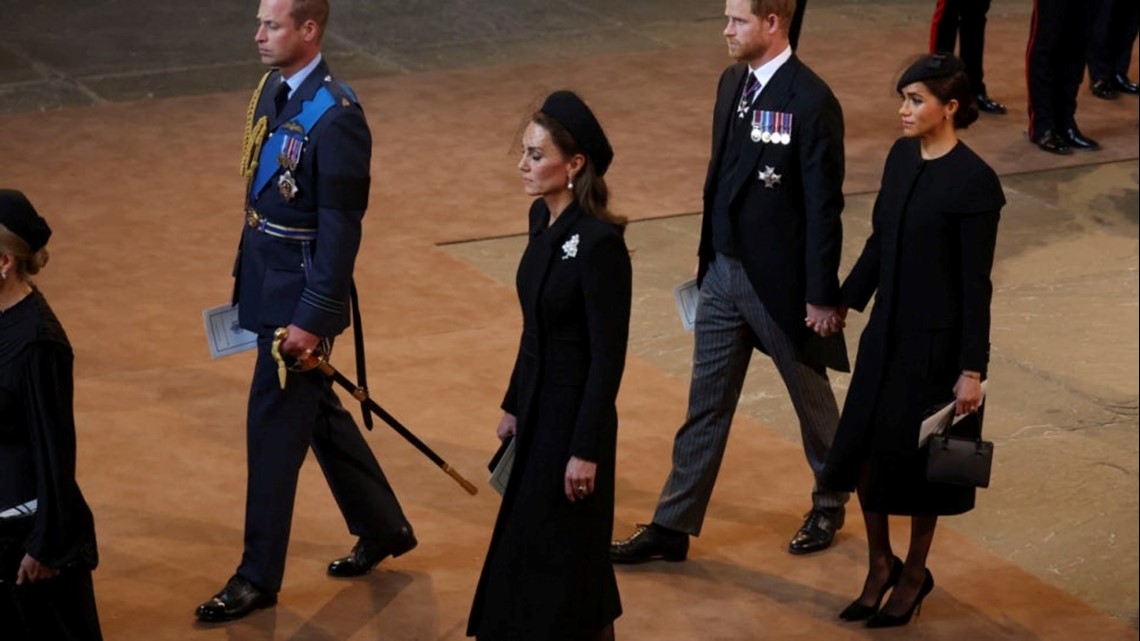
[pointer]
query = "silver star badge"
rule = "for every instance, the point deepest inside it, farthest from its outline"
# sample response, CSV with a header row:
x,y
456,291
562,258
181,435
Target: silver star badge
x,y
770,177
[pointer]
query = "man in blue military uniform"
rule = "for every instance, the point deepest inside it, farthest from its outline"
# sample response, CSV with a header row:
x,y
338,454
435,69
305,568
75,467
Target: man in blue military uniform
x,y
307,157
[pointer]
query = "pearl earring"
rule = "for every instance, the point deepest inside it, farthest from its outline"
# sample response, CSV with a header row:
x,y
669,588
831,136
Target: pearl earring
x,y
570,182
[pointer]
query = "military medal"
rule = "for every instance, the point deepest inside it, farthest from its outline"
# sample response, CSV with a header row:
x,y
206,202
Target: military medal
x,y
770,177
762,126
287,185
289,158
742,108
784,128
290,154
757,130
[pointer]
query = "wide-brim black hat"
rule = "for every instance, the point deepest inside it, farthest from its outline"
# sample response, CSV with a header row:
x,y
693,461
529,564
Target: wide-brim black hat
x,y
21,218
573,114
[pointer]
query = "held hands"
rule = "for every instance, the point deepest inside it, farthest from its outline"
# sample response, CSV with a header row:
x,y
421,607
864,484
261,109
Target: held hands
x,y
579,481
508,425
967,393
32,570
826,321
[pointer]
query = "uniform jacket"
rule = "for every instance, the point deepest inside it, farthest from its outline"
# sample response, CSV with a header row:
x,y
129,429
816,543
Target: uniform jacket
x,y
282,282
789,236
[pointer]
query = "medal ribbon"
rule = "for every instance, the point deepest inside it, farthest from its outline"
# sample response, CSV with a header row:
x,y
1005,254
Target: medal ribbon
x,y
269,162
751,88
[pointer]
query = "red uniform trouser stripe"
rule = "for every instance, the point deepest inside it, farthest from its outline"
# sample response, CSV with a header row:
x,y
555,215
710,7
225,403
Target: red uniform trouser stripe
x,y
1028,79
939,13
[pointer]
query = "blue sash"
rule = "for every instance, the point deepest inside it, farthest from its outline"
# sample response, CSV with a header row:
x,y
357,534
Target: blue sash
x,y
267,162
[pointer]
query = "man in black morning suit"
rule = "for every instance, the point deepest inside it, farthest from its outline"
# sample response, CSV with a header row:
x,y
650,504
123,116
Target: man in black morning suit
x,y
769,254
307,195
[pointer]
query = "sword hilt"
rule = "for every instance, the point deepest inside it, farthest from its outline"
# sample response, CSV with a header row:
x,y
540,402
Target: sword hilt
x,y
279,336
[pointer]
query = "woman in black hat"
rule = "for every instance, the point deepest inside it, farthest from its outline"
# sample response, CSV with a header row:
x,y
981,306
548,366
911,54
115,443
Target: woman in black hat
x,y
927,262
547,575
47,535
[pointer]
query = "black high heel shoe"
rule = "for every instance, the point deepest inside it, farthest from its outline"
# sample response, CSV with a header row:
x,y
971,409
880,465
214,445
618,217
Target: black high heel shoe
x,y
859,612
883,620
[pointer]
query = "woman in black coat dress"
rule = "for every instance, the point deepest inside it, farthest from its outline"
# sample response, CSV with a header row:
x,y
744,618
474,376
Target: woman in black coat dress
x,y
47,535
927,341
547,576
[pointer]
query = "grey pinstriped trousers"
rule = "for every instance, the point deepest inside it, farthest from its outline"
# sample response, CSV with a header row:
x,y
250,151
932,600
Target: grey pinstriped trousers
x,y
729,316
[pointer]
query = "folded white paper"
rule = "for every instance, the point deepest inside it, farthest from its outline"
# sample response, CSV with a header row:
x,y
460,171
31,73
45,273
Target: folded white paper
x,y
502,472
223,334
937,422
687,296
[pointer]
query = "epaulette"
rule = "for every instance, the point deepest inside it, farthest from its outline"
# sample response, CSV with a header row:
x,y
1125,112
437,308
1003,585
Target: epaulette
x,y
340,90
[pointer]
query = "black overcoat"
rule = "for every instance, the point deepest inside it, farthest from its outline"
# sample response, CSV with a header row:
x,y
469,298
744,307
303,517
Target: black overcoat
x,y
37,439
547,575
928,263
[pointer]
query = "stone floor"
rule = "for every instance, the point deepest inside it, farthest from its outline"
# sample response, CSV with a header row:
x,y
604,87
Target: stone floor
x,y
121,120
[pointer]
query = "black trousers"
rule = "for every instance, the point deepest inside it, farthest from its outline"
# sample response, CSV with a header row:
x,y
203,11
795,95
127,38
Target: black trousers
x,y
281,427
1055,61
962,22
1114,30
57,609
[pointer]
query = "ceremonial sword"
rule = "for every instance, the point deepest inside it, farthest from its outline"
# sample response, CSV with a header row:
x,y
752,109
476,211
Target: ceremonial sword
x,y
320,361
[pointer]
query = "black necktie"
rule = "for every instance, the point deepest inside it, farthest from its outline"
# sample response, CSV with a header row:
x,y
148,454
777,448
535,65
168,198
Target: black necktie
x,y
281,97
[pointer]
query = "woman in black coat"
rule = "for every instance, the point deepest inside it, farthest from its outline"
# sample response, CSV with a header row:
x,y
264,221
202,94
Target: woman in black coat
x,y
926,344
47,535
547,576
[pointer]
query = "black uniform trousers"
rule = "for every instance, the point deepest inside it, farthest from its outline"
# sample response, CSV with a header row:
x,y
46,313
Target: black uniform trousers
x,y
963,22
281,427
1114,30
1055,62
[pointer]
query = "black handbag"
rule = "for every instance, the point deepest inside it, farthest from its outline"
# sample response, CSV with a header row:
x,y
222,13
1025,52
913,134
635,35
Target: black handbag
x,y
959,461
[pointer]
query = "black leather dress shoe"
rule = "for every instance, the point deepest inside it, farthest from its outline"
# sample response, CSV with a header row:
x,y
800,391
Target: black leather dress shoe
x,y
237,599
368,552
1104,90
818,531
650,543
989,105
1053,143
1122,84
1077,140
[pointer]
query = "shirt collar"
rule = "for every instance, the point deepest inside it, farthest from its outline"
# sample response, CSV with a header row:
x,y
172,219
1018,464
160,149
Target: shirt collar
x,y
296,79
768,69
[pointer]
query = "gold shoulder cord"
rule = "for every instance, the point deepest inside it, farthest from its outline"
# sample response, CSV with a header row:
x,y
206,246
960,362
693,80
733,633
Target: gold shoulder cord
x,y
254,135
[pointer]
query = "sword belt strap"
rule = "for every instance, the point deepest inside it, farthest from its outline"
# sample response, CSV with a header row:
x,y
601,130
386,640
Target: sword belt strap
x,y
260,223
358,343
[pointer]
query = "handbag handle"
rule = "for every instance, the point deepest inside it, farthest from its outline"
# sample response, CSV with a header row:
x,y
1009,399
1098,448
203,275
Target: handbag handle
x,y
945,438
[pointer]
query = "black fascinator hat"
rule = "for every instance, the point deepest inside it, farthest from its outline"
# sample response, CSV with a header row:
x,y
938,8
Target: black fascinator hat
x,y
930,67
573,114
20,217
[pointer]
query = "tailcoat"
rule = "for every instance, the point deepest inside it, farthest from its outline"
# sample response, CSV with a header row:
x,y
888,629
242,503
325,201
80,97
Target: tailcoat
x,y
789,236
927,262
547,575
